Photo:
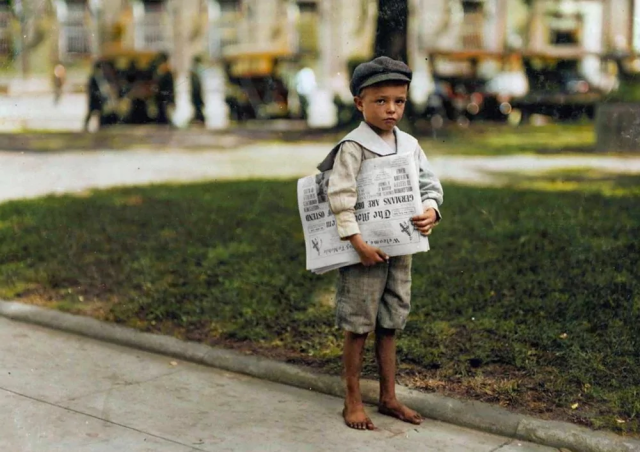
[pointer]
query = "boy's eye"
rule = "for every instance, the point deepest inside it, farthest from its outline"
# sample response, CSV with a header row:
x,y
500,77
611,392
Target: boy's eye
x,y
380,101
400,101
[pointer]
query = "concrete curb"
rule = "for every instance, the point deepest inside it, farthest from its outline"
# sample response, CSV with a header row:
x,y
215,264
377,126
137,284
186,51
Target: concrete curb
x,y
476,415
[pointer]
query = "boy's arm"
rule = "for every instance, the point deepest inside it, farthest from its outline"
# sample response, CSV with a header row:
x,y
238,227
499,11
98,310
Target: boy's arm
x,y
431,191
431,195
343,192
343,195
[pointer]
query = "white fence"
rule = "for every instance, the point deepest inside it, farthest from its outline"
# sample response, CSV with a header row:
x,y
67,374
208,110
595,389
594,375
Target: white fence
x,y
223,29
473,30
154,29
75,30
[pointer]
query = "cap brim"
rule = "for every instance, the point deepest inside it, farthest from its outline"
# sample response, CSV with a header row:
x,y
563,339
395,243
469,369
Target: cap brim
x,y
389,76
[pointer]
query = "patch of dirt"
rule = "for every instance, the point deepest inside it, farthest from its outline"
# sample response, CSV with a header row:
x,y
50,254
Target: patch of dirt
x,y
84,305
202,333
325,297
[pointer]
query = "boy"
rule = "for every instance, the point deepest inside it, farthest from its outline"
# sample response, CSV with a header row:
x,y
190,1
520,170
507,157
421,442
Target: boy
x,y
375,294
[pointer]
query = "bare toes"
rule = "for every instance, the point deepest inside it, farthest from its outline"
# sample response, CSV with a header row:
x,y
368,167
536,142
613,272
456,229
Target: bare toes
x,y
402,412
357,419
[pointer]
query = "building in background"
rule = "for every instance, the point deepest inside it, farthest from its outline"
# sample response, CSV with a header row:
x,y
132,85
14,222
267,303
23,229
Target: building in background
x,y
322,38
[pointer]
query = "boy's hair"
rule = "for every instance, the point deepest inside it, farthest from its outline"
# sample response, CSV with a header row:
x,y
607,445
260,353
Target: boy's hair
x,y
379,70
385,83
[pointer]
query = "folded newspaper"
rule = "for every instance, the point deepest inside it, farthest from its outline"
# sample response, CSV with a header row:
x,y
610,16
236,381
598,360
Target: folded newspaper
x,y
388,196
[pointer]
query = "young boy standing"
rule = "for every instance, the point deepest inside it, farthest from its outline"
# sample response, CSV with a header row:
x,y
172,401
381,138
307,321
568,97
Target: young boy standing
x,y
374,296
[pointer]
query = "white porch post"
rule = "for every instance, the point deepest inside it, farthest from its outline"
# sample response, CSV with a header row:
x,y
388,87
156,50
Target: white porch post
x,y
96,8
322,111
137,8
216,110
422,84
592,13
184,110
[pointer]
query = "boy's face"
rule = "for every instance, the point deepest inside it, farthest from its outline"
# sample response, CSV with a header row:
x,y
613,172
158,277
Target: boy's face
x,y
382,105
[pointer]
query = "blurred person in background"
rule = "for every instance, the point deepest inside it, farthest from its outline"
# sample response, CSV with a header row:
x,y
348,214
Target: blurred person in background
x,y
103,95
306,85
197,98
94,93
59,77
135,94
165,96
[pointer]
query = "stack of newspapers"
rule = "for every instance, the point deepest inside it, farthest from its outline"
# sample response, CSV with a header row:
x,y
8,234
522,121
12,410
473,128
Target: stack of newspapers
x,y
388,197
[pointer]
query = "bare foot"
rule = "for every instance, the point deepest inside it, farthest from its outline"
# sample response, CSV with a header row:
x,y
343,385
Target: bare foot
x,y
400,411
355,417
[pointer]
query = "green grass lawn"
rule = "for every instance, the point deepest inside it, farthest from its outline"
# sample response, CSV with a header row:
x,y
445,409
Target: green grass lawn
x,y
502,139
528,299
479,139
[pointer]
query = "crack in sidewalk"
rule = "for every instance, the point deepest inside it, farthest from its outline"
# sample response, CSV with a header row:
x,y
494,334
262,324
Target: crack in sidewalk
x,y
506,443
71,410
122,384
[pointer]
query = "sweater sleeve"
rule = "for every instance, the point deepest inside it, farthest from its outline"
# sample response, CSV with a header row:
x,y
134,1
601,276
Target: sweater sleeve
x,y
431,191
343,192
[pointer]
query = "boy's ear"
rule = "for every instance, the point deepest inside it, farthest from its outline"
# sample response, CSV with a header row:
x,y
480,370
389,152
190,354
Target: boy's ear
x,y
358,101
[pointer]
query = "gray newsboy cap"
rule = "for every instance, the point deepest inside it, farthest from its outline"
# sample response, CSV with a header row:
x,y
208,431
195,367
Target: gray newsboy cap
x,y
378,70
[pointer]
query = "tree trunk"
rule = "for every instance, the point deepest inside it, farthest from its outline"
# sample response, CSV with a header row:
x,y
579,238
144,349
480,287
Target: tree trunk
x,y
391,31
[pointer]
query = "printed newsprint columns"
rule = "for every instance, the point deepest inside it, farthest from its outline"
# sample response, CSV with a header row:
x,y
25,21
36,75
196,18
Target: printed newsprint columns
x,y
388,196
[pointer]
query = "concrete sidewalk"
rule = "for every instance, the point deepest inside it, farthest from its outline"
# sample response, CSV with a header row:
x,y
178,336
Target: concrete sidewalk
x,y
61,392
29,175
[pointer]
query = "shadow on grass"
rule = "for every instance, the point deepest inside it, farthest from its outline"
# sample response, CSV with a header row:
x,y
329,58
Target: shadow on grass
x,y
584,180
121,138
502,139
528,298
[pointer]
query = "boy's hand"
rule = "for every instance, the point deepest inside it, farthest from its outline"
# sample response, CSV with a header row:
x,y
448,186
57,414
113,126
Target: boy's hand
x,y
426,221
369,255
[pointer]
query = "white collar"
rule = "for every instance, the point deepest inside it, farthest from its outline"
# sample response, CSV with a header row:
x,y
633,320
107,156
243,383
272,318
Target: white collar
x,y
371,141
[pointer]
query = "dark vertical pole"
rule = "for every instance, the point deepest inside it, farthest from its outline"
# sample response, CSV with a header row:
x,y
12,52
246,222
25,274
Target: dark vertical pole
x,y
24,55
606,41
503,13
391,30
632,17
19,11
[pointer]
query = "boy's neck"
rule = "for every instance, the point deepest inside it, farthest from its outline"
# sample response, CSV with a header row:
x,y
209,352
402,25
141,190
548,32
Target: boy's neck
x,y
383,133
388,136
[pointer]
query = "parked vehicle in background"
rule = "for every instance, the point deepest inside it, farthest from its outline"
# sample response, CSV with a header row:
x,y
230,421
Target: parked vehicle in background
x,y
557,89
476,85
132,87
261,85
473,85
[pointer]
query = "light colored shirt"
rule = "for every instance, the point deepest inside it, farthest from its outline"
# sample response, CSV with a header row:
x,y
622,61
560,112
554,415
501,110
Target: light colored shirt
x,y
346,159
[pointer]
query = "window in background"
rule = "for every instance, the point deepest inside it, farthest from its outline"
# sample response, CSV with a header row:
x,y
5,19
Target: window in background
x,y
473,24
153,27
224,17
75,35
